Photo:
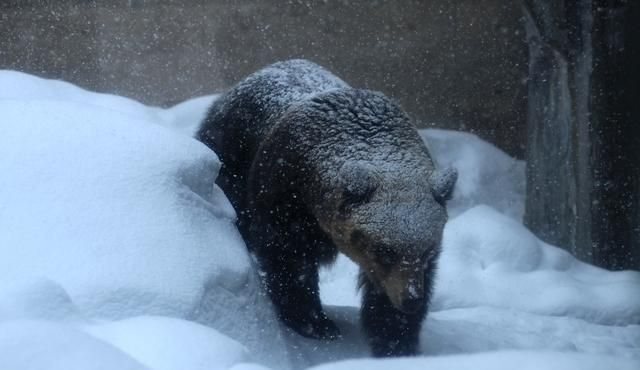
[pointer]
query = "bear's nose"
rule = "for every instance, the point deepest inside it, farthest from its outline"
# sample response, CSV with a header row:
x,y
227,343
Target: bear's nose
x,y
411,305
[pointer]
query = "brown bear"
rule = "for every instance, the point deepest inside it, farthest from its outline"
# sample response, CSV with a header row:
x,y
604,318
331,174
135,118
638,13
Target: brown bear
x,y
314,167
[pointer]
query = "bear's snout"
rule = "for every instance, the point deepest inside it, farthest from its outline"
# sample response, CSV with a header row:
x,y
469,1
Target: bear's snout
x,y
405,289
412,297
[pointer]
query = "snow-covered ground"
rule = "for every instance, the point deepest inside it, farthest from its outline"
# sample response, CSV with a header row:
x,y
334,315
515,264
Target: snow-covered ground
x,y
118,252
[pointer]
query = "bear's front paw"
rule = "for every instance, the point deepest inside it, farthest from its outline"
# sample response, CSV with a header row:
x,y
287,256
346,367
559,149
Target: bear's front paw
x,y
315,326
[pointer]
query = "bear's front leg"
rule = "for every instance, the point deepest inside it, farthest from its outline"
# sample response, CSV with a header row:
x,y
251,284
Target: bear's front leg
x,y
390,331
292,284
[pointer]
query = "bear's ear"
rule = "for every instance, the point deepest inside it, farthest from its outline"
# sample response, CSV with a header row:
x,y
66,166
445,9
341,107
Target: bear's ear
x,y
442,183
359,182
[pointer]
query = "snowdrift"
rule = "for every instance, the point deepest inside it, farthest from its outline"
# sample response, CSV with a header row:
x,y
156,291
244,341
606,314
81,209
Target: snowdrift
x,y
117,251
106,215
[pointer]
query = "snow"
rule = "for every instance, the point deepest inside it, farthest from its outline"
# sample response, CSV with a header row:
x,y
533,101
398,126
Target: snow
x,y
186,116
489,259
23,87
118,252
507,360
36,298
164,343
132,207
109,216
37,345
295,79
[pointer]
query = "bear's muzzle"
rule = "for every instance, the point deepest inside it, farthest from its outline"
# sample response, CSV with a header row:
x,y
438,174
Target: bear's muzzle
x,y
405,288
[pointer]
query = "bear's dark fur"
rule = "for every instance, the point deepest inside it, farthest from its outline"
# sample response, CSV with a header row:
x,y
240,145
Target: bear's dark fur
x,y
314,167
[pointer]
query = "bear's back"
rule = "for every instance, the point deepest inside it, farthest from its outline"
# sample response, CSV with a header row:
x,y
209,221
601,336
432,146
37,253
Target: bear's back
x,y
239,120
244,114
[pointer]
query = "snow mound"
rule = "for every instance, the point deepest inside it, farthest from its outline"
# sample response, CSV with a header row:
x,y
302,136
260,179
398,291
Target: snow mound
x,y
82,185
186,117
107,215
16,85
38,345
486,174
36,298
484,329
489,259
163,343
492,361
183,117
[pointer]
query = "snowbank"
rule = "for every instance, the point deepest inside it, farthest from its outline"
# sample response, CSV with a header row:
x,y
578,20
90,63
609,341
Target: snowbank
x,y
489,259
24,87
38,345
82,185
186,117
106,215
163,343
488,329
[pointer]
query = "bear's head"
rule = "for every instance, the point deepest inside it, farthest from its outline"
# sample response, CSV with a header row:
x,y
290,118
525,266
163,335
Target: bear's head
x,y
391,225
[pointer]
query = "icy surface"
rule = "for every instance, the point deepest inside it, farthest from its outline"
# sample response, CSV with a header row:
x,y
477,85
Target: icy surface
x,y
117,252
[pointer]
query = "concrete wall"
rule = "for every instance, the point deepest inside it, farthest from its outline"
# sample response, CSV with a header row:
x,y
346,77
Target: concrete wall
x,y
456,64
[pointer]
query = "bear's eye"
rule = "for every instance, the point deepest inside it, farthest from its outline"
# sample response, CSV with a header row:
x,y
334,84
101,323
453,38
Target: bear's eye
x,y
355,194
